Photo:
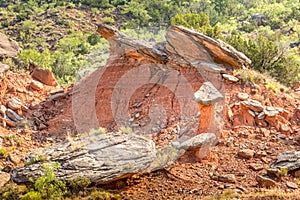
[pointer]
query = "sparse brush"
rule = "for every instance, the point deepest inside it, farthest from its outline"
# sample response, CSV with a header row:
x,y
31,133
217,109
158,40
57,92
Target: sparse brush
x,y
3,153
124,129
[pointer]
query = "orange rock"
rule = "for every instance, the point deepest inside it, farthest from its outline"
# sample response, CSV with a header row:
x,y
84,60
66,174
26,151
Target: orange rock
x,y
43,75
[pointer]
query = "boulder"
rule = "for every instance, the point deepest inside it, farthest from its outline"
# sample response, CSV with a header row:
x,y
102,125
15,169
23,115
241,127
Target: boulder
x,y
8,47
43,75
106,157
3,70
4,178
207,95
205,47
289,160
253,105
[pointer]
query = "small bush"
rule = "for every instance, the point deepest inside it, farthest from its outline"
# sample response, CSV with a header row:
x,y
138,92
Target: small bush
x,y
103,195
79,184
94,39
32,195
48,186
3,153
108,20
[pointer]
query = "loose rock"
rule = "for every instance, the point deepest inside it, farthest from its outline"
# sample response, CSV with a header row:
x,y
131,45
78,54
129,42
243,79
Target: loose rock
x,y
36,85
265,182
253,105
4,178
230,78
13,116
256,167
14,104
243,96
291,185
246,153
227,178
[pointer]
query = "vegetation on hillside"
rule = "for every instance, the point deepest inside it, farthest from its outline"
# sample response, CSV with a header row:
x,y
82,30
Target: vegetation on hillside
x,y
263,30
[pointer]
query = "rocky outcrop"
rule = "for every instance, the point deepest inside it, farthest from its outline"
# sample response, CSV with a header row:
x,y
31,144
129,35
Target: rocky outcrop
x,y
150,89
8,47
105,157
253,113
289,160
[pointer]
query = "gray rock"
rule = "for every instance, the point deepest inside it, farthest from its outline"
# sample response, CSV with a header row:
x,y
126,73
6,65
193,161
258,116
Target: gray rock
x,y
36,85
253,105
207,94
4,178
289,160
13,116
99,157
230,78
209,67
198,141
291,185
197,46
3,70
8,47
57,96
270,111
243,96
14,103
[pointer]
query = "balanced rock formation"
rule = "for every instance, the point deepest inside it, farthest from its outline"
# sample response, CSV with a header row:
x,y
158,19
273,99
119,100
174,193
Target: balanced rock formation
x,y
140,79
150,89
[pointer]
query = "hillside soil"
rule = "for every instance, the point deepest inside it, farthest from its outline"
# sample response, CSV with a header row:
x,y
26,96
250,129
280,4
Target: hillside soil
x,y
49,120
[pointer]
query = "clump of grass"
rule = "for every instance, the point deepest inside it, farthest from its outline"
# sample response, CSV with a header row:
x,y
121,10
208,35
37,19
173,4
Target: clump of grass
x,y
103,195
254,77
124,129
79,184
248,75
38,158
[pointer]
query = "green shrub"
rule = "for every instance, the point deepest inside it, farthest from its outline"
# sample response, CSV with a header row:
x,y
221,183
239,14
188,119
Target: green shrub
x,y
108,20
10,192
3,153
200,22
94,39
79,184
48,186
32,195
269,56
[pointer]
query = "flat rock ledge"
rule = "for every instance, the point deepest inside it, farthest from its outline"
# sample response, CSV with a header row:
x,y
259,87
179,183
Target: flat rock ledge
x,y
105,157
